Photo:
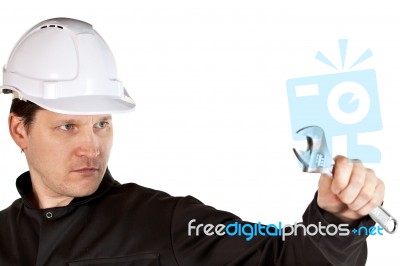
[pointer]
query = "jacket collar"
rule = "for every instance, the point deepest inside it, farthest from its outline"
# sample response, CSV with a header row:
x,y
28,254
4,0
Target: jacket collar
x,y
24,187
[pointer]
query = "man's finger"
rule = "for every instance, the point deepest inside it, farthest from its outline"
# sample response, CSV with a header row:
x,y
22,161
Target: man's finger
x,y
375,201
341,174
366,193
355,183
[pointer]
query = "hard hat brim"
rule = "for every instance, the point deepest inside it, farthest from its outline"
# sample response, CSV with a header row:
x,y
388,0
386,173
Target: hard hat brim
x,y
79,105
86,105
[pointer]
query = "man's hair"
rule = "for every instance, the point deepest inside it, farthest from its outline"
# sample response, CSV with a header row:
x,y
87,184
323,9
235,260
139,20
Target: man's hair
x,y
26,110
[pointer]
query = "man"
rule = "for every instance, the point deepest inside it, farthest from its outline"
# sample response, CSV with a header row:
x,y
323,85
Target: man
x,y
72,212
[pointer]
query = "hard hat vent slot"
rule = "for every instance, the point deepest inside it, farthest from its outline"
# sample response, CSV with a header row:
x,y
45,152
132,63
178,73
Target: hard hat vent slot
x,y
51,26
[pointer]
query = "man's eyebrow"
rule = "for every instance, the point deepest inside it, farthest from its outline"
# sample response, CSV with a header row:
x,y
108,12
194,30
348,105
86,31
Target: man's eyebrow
x,y
75,121
65,121
107,117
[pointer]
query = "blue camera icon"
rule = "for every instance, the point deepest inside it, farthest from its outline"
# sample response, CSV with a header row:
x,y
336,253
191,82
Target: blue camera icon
x,y
345,103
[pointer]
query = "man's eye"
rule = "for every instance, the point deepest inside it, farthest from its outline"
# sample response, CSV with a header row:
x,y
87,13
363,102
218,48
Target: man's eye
x,y
66,127
101,124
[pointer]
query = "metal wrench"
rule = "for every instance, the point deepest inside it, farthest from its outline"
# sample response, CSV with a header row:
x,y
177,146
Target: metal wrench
x,y
317,159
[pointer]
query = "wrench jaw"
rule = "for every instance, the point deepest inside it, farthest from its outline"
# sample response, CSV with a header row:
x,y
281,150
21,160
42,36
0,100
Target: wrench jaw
x,y
302,156
316,159
316,163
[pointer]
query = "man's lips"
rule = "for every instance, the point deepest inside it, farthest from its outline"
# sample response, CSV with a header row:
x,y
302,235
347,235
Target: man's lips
x,y
86,170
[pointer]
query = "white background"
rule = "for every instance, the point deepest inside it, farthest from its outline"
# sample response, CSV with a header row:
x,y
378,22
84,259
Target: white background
x,y
212,115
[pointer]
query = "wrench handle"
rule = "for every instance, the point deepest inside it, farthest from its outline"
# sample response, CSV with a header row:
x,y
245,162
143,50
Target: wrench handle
x,y
379,214
384,219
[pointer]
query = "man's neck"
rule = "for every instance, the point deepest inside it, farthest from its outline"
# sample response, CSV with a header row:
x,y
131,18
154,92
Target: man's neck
x,y
45,202
43,199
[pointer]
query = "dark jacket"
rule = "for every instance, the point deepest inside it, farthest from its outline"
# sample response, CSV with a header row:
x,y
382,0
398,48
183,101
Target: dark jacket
x,y
132,225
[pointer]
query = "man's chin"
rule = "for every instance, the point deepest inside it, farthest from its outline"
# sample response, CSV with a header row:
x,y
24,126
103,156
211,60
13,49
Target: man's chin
x,y
85,186
84,192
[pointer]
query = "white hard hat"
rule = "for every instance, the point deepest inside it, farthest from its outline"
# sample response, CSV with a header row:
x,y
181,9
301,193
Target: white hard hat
x,y
65,66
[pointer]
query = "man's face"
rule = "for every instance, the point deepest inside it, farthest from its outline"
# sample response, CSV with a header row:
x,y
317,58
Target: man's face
x,y
68,154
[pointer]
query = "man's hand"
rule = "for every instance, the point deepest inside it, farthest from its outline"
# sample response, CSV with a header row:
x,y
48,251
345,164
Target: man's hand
x,y
353,192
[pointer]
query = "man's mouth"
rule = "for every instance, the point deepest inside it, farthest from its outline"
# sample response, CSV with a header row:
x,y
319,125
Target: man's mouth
x,y
86,170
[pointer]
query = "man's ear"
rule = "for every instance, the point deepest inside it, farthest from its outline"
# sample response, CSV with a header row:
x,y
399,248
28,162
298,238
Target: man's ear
x,y
17,130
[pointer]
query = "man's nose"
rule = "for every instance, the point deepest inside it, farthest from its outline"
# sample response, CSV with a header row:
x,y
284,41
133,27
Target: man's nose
x,y
88,145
